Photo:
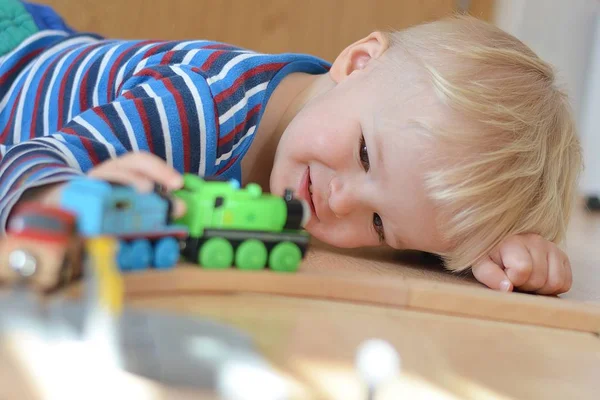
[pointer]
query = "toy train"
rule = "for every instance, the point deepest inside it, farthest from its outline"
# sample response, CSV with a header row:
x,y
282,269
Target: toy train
x,y
224,225
246,227
42,248
141,221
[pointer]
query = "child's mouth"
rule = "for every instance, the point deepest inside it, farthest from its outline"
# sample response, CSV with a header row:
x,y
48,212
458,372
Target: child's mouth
x,y
312,204
307,191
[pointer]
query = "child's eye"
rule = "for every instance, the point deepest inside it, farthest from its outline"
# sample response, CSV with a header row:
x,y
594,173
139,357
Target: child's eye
x,y
364,154
378,224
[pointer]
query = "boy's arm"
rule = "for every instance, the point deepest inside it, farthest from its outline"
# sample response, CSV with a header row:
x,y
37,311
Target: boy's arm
x,y
32,170
150,116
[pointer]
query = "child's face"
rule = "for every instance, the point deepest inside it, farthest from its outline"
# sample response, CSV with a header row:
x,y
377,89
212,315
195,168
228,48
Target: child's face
x,y
362,191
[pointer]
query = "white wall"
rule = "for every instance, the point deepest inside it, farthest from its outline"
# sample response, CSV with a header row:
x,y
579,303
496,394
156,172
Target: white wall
x,y
590,122
562,32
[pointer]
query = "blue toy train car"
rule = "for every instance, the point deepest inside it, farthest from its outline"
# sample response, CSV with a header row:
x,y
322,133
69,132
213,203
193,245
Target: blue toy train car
x,y
141,221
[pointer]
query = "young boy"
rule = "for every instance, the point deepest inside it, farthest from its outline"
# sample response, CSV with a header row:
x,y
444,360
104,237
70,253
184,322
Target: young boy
x,y
448,137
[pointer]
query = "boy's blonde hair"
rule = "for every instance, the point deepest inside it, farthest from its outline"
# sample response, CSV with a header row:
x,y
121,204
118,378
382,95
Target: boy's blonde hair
x,y
525,158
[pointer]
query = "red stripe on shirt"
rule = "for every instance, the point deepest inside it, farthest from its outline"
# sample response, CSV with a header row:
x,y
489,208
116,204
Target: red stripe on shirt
x,y
19,65
167,57
139,106
30,171
211,60
63,83
10,120
41,90
239,127
229,164
183,120
113,70
154,49
89,147
245,76
83,100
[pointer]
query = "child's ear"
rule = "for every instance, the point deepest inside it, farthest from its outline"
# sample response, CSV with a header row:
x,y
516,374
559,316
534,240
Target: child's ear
x,y
358,55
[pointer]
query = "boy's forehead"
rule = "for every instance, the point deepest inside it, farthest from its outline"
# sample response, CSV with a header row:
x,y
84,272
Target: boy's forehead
x,y
412,103
410,107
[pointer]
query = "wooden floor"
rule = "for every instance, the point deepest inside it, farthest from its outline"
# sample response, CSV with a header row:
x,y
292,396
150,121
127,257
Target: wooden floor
x,y
582,246
457,339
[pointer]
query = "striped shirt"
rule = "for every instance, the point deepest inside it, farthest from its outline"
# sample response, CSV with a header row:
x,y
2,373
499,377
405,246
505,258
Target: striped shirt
x,y
71,101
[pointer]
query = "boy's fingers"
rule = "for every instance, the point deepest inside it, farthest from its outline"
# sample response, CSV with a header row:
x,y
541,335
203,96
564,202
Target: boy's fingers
x,y
140,183
539,270
124,177
556,275
517,261
492,275
566,264
154,168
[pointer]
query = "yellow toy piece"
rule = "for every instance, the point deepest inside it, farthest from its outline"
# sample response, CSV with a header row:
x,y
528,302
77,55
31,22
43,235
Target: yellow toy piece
x,y
102,252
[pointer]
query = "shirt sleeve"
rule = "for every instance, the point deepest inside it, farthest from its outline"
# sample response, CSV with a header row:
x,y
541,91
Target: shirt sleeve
x,y
165,110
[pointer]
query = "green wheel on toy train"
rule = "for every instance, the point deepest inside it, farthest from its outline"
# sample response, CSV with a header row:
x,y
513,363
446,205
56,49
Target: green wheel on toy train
x,y
285,256
216,253
251,255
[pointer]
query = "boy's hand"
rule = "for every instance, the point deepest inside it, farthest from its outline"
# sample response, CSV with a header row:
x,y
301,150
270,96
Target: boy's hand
x,y
141,170
527,262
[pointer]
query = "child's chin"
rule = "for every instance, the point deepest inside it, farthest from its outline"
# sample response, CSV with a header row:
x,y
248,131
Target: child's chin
x,y
321,237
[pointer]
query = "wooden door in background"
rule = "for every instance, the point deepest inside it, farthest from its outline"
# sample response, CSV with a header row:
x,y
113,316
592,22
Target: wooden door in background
x,y
319,27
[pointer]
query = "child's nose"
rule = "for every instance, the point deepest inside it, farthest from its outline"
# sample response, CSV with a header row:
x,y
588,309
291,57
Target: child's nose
x,y
342,197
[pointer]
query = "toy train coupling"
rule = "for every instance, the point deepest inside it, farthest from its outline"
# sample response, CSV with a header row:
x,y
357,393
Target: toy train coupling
x,y
164,194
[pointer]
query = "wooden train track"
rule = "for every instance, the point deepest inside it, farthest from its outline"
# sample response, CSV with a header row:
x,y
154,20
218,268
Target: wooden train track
x,y
398,292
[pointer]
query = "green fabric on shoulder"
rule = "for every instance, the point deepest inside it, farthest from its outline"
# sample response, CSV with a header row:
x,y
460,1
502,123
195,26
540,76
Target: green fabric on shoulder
x,y
16,25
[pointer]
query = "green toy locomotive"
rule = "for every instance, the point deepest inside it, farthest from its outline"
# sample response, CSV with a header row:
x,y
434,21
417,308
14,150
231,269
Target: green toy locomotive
x,y
242,227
